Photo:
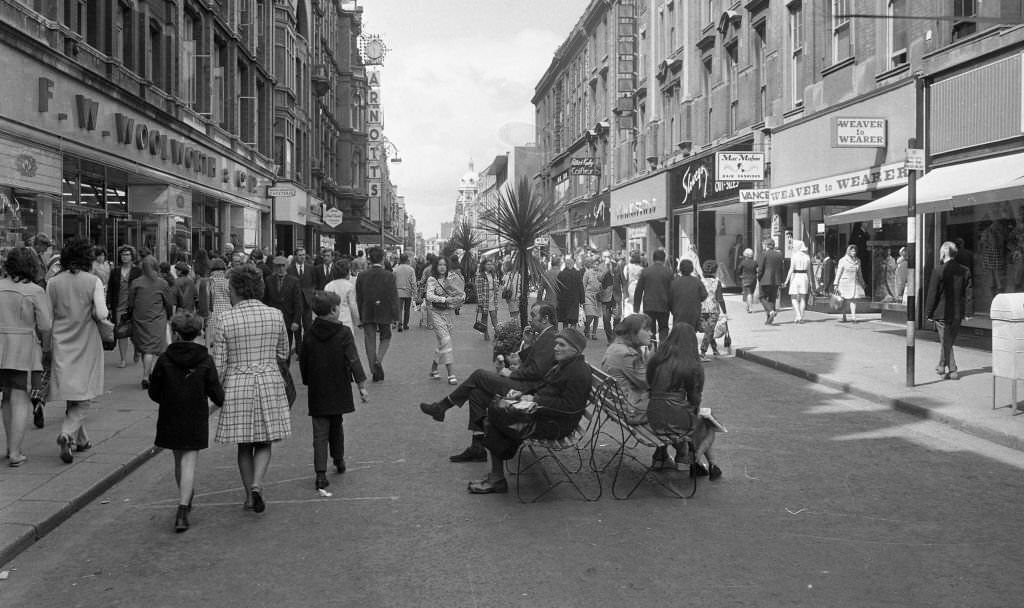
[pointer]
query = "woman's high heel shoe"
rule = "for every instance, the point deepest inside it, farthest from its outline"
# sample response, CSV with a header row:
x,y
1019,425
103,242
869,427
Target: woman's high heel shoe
x,y
181,520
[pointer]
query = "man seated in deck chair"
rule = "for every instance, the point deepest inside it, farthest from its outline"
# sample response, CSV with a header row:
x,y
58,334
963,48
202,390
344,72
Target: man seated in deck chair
x,y
554,407
537,358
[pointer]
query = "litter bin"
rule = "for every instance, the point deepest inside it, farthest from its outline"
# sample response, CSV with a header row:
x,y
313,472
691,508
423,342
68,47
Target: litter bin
x,y
1007,314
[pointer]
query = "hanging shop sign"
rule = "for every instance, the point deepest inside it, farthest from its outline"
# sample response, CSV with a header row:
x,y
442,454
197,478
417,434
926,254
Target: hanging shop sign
x,y
585,165
858,132
333,217
739,166
694,183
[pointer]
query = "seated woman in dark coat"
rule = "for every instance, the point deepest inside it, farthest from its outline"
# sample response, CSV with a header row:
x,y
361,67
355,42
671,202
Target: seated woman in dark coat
x,y
561,399
676,378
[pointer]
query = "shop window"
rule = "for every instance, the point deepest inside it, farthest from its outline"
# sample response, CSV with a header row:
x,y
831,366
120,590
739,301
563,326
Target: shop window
x,y
218,94
156,70
842,38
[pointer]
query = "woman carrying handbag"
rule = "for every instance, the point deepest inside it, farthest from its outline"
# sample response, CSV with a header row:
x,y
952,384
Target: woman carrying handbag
x,y
848,283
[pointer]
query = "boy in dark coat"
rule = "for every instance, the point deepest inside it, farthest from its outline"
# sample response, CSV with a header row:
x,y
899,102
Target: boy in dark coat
x,y
329,364
182,379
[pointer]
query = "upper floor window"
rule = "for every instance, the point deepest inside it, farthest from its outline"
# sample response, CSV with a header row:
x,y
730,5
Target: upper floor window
x,y
796,53
842,39
897,32
963,11
760,63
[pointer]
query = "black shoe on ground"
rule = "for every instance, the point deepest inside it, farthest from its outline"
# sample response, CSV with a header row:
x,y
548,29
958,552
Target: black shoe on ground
x,y
660,459
378,372
714,472
339,465
257,501
322,481
181,520
37,416
474,453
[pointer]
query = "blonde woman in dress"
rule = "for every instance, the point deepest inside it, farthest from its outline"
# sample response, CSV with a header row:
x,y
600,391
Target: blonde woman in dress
x,y
800,279
849,282
444,294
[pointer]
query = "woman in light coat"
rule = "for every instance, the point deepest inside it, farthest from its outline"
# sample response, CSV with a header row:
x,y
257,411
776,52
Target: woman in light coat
x,y
849,282
26,318
591,303
250,340
77,374
444,293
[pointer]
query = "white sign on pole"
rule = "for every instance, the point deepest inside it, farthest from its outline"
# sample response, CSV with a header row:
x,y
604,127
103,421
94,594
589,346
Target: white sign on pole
x,y
915,159
333,217
739,166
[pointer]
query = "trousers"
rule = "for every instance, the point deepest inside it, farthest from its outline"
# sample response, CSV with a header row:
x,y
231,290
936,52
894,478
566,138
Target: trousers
x,y
328,437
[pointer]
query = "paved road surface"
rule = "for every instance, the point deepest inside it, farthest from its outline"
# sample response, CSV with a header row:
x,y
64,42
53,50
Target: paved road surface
x,y
827,500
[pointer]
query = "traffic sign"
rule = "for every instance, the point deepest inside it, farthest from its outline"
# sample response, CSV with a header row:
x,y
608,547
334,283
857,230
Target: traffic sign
x,y
915,159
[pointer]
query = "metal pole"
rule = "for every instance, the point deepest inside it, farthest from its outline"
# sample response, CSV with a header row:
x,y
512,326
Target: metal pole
x,y
911,263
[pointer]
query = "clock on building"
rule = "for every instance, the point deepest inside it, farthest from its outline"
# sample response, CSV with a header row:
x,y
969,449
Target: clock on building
x,y
374,49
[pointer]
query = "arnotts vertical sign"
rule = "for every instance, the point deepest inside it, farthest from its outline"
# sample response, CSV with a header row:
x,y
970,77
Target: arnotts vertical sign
x,y
375,135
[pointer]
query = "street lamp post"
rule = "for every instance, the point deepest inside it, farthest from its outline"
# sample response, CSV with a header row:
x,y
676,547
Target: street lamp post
x,y
388,153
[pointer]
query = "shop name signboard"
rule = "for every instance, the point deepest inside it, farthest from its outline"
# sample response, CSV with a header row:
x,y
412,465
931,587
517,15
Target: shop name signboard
x,y
739,166
584,165
755,195
886,176
858,132
145,139
639,202
375,135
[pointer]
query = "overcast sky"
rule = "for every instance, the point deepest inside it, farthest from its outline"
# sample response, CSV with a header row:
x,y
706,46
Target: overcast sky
x,y
458,71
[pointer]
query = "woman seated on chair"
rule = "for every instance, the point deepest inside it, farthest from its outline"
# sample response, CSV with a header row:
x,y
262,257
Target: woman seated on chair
x,y
625,361
676,378
560,401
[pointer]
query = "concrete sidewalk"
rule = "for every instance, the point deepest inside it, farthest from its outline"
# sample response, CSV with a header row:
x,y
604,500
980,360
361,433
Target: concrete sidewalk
x,y
868,359
43,492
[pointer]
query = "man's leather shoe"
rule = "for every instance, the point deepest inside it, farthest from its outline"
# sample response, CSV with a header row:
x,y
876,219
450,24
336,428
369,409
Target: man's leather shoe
x,y
486,486
339,465
435,410
474,453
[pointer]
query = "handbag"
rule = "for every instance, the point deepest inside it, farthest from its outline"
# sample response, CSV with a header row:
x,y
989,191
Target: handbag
x,y
107,333
40,390
506,293
123,329
515,419
284,366
836,302
480,325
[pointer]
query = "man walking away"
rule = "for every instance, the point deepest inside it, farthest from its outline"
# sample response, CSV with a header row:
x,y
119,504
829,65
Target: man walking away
x,y
377,298
770,274
652,291
405,281
949,302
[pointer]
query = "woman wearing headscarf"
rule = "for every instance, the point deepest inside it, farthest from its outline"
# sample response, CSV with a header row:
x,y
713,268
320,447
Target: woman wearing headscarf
x,y
152,305
26,319
77,373
118,288
250,341
849,281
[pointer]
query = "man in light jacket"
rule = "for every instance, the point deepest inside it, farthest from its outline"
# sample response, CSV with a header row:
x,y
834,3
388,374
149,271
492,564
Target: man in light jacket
x,y
405,281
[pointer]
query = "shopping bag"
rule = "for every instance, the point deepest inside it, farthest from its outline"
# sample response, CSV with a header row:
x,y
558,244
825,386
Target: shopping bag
x,y
836,302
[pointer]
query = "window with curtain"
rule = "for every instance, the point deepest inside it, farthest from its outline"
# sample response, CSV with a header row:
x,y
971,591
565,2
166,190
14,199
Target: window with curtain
x,y
897,32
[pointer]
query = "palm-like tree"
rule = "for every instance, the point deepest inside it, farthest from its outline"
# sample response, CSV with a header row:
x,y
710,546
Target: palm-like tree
x,y
520,216
464,238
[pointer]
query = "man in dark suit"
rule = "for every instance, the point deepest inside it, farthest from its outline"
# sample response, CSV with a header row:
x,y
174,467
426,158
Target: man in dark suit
x,y
949,302
256,257
686,294
653,289
282,292
302,270
537,358
377,299
322,273
771,272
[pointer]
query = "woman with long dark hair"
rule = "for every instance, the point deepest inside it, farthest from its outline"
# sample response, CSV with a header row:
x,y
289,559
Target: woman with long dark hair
x,y
676,378
444,294
77,374
152,305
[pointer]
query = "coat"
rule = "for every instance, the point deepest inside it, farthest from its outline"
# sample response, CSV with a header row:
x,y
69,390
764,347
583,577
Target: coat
x,y
307,282
562,398
772,269
653,289
249,341
329,364
570,295
549,287
287,298
185,293
183,378
77,299
686,295
405,281
950,293
151,305
115,285
488,288
26,318
377,296
538,358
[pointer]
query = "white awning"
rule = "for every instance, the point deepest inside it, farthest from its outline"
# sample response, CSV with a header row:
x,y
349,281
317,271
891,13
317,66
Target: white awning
x,y
946,188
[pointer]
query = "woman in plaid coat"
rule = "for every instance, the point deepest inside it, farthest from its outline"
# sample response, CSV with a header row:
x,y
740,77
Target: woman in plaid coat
x,y
488,289
250,339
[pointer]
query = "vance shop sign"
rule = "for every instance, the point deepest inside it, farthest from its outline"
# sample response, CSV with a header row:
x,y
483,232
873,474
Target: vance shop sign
x,y
858,132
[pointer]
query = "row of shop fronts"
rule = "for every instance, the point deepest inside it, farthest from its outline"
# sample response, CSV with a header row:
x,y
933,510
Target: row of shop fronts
x,y
839,177
80,163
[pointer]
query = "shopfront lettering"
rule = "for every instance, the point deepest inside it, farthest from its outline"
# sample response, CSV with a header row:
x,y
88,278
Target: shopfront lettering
x,y
695,180
87,110
886,176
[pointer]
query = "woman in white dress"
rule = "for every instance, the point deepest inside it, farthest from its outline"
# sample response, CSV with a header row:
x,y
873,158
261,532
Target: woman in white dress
x,y
800,279
849,282
632,275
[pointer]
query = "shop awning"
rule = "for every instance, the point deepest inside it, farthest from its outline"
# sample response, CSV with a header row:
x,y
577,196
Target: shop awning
x,y
946,188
